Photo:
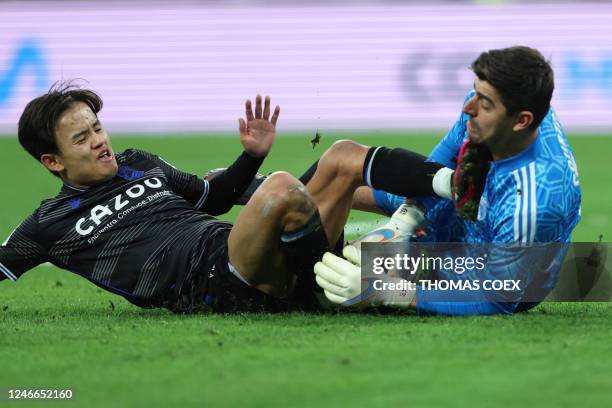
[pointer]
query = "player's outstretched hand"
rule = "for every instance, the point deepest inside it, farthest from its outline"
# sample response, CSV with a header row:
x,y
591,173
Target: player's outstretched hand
x,y
257,133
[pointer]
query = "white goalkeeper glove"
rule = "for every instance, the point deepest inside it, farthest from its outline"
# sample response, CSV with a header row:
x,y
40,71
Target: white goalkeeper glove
x,y
340,278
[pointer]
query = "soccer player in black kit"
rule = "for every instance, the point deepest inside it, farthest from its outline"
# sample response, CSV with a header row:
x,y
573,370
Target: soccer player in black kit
x,y
136,226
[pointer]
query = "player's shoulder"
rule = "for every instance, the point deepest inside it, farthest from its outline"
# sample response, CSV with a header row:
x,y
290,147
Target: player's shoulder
x,y
552,140
549,158
461,129
68,198
64,196
548,188
554,144
458,132
523,209
463,117
535,196
132,154
30,225
136,159
555,162
138,155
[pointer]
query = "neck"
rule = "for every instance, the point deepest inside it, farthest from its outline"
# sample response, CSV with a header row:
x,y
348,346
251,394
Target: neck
x,y
512,145
69,183
74,185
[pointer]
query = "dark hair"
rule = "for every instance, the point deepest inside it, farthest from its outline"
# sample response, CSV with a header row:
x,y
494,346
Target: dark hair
x,y
521,76
36,130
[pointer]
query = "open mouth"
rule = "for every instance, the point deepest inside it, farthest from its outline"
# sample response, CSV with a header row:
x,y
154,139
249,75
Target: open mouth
x,y
105,155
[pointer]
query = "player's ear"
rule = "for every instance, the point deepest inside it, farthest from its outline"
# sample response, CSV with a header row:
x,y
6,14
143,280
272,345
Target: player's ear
x,y
523,120
52,162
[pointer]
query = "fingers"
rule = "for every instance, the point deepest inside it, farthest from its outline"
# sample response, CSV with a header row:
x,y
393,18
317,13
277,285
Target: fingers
x,y
275,115
333,292
328,273
352,254
337,263
266,111
329,286
261,112
258,107
249,111
339,279
332,297
242,127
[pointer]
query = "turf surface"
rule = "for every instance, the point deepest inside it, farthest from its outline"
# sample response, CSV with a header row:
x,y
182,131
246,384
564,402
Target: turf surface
x,y
59,331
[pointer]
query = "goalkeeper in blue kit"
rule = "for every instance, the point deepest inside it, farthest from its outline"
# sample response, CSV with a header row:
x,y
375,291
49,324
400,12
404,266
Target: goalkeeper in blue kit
x,y
527,192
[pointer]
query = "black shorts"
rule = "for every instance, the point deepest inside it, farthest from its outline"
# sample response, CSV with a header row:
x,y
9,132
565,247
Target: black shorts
x,y
226,293
212,287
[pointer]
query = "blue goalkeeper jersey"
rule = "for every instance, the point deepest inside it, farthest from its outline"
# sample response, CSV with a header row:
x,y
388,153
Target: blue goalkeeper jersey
x,y
532,197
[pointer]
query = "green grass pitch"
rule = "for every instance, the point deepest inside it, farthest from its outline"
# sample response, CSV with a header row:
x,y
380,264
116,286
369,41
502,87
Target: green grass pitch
x,y
59,331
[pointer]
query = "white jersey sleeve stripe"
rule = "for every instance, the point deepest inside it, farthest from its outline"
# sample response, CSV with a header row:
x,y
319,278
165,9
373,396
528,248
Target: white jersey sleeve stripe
x,y
518,205
7,272
525,206
204,195
9,237
534,206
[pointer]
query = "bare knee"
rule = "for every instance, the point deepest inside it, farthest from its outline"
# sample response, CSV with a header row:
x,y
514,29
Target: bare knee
x,y
345,159
285,197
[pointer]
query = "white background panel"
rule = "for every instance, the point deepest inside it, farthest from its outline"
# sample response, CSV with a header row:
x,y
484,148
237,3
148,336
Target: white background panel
x,y
372,66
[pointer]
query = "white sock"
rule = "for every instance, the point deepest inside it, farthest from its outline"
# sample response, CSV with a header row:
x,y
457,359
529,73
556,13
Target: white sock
x,y
442,183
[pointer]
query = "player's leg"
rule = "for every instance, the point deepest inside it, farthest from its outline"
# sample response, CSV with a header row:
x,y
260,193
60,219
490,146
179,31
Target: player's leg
x,y
284,218
347,165
338,174
280,205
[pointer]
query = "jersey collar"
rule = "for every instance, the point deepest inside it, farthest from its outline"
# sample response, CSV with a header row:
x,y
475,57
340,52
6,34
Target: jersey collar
x,y
72,188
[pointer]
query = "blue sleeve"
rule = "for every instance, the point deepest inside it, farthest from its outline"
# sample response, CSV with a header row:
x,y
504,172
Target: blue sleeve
x,y
447,150
387,202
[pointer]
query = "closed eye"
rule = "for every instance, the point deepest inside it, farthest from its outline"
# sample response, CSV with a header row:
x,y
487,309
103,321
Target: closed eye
x,y
484,103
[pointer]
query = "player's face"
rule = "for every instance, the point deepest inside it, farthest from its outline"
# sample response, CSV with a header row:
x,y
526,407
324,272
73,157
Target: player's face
x,y
489,122
85,156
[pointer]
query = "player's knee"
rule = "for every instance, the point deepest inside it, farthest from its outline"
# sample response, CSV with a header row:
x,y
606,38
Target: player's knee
x,y
284,194
342,149
277,184
345,158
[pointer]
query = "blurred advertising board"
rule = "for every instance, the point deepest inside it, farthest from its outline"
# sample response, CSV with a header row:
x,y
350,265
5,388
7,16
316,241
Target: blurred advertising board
x,y
189,67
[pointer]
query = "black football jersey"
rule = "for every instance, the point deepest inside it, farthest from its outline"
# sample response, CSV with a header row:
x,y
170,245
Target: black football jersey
x,y
141,235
